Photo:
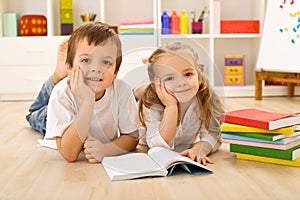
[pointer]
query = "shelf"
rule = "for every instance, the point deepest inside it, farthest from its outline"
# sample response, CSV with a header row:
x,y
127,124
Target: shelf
x,y
211,47
234,36
180,36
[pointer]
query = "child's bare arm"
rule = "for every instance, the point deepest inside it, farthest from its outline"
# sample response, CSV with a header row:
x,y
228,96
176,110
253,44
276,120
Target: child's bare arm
x,y
71,142
95,150
168,123
69,145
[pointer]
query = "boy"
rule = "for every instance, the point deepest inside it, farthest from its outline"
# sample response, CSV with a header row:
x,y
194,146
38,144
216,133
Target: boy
x,y
91,108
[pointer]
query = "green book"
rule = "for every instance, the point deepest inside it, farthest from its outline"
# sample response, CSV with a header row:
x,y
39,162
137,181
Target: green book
x,y
263,136
289,154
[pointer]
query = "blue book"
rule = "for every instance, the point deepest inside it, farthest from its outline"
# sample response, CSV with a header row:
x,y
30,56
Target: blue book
x,y
251,139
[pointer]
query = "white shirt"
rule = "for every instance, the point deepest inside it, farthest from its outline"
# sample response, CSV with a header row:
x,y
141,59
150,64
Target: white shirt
x,y
189,131
114,113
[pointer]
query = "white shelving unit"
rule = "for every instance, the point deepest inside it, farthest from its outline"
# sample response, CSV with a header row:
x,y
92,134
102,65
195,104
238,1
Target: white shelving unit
x,y
216,46
28,61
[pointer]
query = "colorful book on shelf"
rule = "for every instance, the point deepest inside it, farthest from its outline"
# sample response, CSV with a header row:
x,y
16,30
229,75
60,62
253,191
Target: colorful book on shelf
x,y
294,163
136,30
229,127
136,33
261,119
256,137
137,26
262,144
289,154
157,162
136,21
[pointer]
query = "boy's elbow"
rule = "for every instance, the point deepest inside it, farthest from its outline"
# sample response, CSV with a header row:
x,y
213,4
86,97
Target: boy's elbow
x,y
69,157
70,154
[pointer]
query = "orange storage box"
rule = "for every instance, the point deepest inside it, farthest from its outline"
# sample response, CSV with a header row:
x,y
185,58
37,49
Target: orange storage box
x,y
239,26
33,25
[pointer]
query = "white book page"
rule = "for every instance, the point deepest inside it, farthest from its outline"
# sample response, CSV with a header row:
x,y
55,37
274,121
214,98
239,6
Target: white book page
x,y
167,158
131,163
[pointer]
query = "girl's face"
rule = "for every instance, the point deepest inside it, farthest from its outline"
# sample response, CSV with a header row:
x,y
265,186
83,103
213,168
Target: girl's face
x,y
98,64
179,76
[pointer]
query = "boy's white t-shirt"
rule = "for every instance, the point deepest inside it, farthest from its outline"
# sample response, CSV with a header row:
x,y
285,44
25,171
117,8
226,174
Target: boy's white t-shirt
x,y
114,113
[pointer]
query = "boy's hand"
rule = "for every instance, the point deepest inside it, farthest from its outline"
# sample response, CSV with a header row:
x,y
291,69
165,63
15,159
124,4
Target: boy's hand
x,y
93,150
78,85
199,153
165,95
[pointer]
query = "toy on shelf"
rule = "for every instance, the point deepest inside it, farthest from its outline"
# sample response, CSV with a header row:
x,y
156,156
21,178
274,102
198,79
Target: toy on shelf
x,y
33,25
234,70
66,17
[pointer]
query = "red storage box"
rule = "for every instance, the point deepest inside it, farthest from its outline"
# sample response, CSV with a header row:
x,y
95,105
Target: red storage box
x,y
33,25
239,26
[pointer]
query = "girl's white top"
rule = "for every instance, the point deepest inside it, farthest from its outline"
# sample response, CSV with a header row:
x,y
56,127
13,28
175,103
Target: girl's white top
x,y
190,130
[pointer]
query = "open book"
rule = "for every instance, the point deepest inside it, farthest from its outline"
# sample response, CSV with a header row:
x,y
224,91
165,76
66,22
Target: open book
x,y
157,162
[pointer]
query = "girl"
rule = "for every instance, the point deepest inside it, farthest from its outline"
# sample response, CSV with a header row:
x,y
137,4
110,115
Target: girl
x,y
178,109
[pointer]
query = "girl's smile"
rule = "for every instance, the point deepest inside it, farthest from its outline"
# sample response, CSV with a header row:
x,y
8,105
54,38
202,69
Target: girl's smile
x,y
178,75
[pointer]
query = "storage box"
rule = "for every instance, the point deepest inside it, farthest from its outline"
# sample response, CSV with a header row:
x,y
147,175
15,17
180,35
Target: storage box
x,y
33,25
10,25
234,70
240,26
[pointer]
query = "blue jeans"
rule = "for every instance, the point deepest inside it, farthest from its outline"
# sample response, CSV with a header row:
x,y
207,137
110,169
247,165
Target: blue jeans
x,y
37,116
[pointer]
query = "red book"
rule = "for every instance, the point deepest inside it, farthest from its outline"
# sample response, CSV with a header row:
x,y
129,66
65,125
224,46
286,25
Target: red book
x,y
261,119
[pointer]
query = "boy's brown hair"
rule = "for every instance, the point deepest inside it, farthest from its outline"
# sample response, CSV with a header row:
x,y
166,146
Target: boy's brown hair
x,y
96,33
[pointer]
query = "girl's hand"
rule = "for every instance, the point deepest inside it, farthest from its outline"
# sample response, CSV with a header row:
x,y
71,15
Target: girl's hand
x,y
199,153
165,95
78,85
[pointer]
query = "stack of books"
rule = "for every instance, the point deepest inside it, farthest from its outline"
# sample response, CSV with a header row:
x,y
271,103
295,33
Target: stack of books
x,y
136,27
263,136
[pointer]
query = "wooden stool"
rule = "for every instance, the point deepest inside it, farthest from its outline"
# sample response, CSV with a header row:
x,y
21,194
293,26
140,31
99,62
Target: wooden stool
x,y
290,78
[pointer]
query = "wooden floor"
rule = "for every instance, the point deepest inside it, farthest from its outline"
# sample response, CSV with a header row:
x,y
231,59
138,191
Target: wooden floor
x,y
29,171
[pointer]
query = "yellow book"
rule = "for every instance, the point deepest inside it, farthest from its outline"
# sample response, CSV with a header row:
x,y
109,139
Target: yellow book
x,y
294,163
228,127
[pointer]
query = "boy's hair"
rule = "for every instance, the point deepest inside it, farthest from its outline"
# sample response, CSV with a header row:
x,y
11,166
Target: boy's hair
x,y
204,94
95,33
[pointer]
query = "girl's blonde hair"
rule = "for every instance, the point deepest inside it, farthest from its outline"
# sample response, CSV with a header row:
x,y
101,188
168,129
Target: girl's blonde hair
x,y
149,98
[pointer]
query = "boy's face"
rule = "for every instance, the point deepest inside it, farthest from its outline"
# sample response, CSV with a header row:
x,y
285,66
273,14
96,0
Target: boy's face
x,y
179,76
98,64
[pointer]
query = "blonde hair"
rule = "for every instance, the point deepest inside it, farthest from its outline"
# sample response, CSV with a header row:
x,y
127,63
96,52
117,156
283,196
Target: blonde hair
x,y
204,94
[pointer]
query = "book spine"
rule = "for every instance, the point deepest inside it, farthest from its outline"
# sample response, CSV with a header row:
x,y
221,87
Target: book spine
x,y
254,138
256,144
295,163
246,122
227,127
267,152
